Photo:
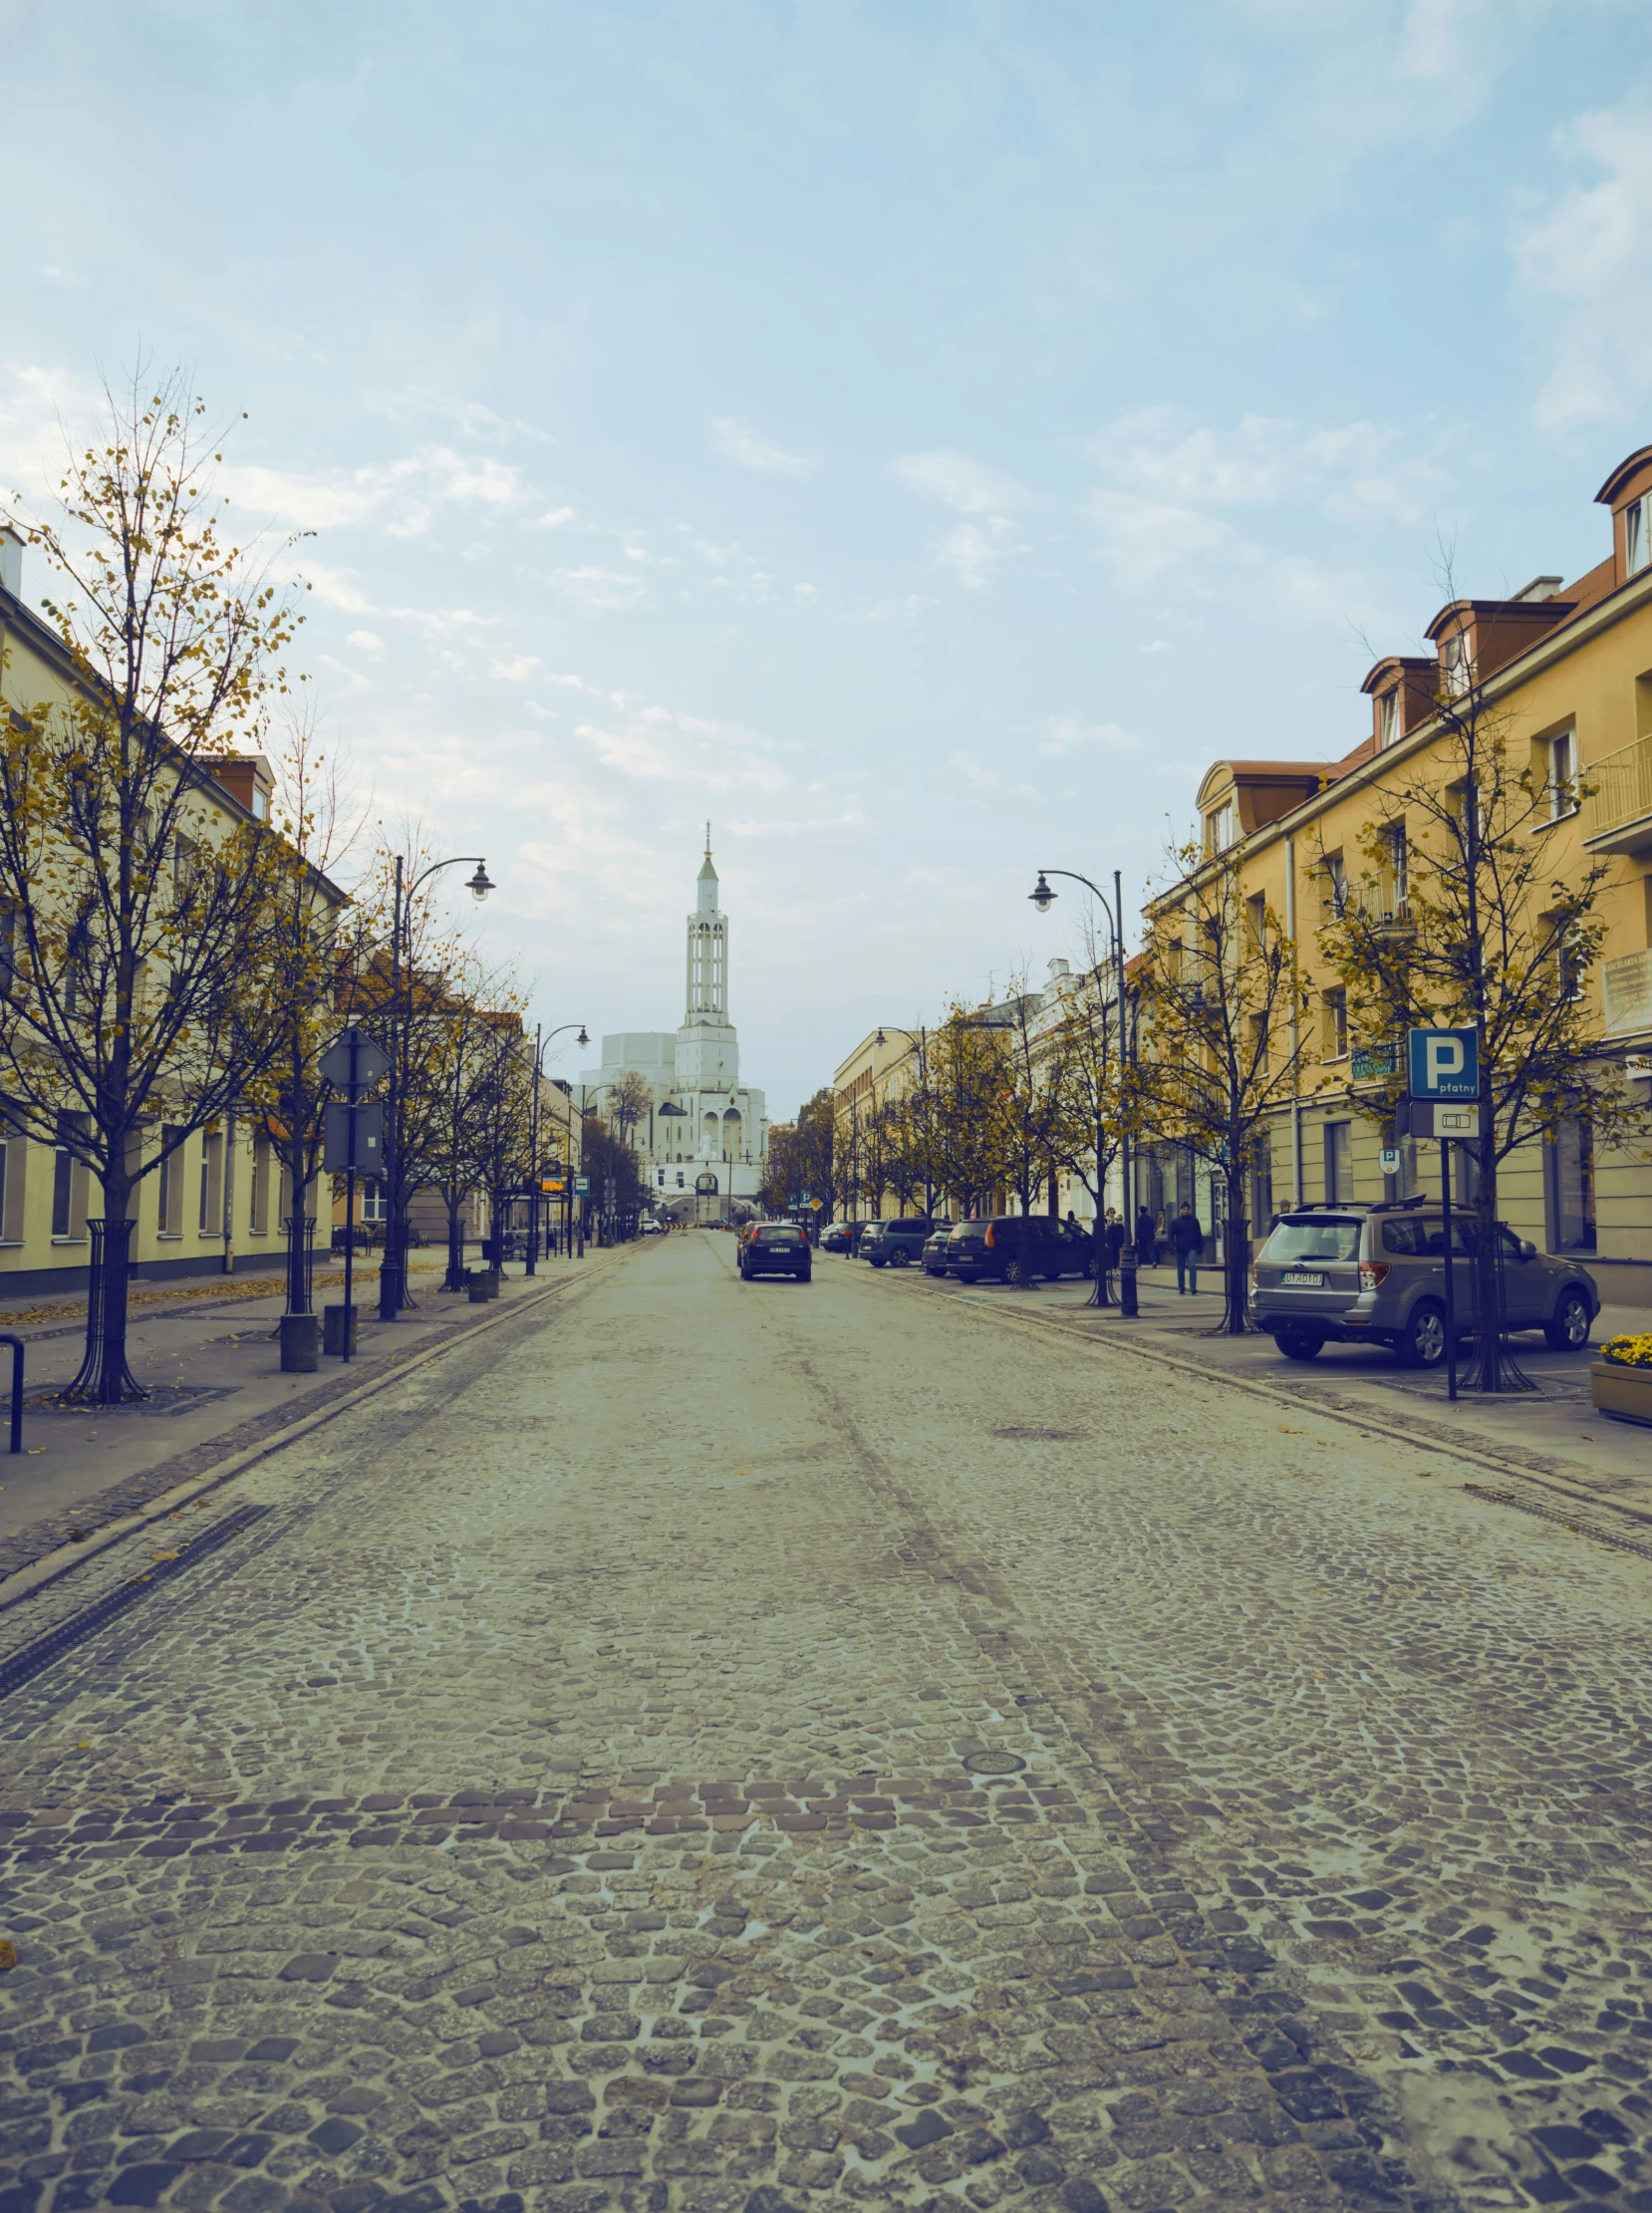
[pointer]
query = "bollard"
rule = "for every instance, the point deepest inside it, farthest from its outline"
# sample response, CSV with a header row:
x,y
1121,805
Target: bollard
x,y
333,1319
16,1344
300,1343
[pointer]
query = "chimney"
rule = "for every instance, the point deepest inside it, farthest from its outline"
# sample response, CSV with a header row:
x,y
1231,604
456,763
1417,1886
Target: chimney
x,y
1541,588
1058,970
246,778
11,561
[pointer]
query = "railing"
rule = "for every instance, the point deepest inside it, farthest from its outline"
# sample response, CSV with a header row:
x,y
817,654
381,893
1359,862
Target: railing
x,y
1622,790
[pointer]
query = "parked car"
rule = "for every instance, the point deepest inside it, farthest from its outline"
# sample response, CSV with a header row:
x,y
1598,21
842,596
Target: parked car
x,y
902,1241
835,1237
775,1249
990,1248
1376,1275
859,1233
934,1257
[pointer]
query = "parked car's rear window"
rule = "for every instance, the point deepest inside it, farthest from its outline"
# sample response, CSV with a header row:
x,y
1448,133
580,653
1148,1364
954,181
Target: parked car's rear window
x,y
1313,1240
779,1233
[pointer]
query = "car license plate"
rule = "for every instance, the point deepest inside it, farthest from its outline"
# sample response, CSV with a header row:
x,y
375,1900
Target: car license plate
x,y
1302,1280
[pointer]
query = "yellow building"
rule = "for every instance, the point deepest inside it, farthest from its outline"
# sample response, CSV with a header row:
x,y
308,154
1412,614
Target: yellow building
x,y
219,1200
1567,669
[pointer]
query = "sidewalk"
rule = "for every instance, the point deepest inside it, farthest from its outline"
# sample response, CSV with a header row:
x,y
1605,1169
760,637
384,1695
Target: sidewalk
x,y
205,1348
1552,1432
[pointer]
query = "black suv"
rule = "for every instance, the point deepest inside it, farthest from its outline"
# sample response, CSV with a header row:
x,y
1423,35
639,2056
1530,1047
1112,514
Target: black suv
x,y
901,1243
775,1249
977,1248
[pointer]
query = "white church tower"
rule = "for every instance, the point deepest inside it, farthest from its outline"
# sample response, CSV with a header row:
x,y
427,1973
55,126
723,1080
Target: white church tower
x,y
707,1051
706,1141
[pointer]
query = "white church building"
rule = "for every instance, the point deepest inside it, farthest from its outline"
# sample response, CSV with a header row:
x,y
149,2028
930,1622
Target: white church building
x,y
704,1141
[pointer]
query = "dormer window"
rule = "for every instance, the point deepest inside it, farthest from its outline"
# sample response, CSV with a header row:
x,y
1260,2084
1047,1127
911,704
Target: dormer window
x,y
1637,535
1220,827
1388,720
1460,666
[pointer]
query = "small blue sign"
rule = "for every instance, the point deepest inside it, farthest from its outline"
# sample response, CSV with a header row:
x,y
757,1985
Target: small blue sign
x,y
1443,1064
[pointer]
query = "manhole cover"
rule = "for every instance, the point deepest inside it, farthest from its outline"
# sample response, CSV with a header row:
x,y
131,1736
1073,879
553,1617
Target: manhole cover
x,y
995,1762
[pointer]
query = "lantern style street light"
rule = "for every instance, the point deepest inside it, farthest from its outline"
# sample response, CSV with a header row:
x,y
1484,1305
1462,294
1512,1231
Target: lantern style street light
x,y
1043,897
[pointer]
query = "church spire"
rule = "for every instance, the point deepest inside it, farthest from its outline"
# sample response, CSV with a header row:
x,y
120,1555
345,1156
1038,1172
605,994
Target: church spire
x,y
708,874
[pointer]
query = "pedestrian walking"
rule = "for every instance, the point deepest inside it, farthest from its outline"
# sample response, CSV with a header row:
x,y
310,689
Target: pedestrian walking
x,y
1186,1242
1147,1239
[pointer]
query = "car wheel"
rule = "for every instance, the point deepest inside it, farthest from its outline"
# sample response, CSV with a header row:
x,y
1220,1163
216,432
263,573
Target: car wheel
x,y
875,1264
1422,1343
805,1276
1568,1331
1299,1344
899,1257
968,1275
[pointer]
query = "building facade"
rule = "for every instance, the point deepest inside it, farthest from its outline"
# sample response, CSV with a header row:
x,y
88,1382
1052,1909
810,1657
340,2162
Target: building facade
x,y
702,1135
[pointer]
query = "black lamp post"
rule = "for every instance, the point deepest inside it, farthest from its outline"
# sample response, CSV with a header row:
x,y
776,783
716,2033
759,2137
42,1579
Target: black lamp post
x,y
393,1274
540,1041
1043,899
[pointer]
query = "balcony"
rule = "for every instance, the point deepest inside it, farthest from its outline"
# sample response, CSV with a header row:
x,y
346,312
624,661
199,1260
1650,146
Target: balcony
x,y
1617,816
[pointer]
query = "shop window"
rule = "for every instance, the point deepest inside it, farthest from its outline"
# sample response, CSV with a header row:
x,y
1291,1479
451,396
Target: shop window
x,y
170,1176
70,1179
1570,1165
1339,1162
258,1205
211,1184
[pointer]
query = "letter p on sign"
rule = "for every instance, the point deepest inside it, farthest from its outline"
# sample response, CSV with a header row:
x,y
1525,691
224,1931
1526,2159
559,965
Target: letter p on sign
x,y
1443,1057
1443,1064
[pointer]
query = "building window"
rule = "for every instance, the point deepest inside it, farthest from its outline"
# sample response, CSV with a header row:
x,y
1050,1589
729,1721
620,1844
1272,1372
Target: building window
x,y
1334,1045
1396,868
1388,720
1460,666
172,1184
1340,1162
372,1201
68,1181
1562,776
258,1208
1336,884
1568,965
1570,1164
211,1184
1220,827
1637,535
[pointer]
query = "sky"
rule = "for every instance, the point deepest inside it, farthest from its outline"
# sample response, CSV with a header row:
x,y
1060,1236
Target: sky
x,y
919,439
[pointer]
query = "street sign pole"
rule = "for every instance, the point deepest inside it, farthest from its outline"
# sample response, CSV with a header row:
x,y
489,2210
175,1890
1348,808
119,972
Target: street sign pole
x,y
1450,1268
1443,1080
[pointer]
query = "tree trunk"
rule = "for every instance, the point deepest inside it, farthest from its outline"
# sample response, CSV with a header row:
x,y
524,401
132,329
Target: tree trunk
x,y
105,1378
1491,1367
298,1273
1235,1265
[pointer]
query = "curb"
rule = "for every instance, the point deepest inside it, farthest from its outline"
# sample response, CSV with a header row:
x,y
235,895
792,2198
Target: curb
x,y
51,1565
1474,1456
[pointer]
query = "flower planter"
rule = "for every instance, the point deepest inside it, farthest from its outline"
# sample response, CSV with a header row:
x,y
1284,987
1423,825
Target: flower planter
x,y
300,1343
1623,1392
483,1285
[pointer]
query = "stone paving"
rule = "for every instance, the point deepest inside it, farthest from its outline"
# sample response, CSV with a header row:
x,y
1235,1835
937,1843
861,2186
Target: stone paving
x,y
720,1749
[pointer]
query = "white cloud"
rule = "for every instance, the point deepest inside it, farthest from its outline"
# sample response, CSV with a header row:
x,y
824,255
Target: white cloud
x,y
1265,459
603,590
401,496
516,671
975,551
1067,733
367,641
737,442
1592,252
959,482
552,520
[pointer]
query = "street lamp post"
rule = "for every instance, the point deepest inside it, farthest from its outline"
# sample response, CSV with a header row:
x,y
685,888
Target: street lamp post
x,y
539,1044
920,1039
1043,899
393,1274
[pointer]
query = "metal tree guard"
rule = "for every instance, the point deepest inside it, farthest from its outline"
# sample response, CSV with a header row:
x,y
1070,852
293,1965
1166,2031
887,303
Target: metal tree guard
x,y
103,1378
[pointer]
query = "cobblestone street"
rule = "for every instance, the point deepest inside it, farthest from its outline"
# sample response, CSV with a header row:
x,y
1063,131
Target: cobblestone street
x,y
713,1748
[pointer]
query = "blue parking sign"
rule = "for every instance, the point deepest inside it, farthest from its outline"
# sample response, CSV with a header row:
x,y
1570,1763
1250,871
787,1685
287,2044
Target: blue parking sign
x,y
1443,1064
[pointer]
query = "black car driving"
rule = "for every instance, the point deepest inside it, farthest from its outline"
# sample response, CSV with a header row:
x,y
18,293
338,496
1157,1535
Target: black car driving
x,y
775,1249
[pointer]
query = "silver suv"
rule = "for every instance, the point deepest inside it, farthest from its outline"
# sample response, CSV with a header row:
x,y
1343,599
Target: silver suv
x,y
1364,1275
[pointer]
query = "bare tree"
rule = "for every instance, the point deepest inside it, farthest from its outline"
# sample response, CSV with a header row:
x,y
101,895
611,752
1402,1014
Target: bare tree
x,y
1219,1059
137,906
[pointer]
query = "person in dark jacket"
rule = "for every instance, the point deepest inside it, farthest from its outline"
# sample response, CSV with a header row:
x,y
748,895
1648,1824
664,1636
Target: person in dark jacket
x,y
1147,1239
1186,1242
